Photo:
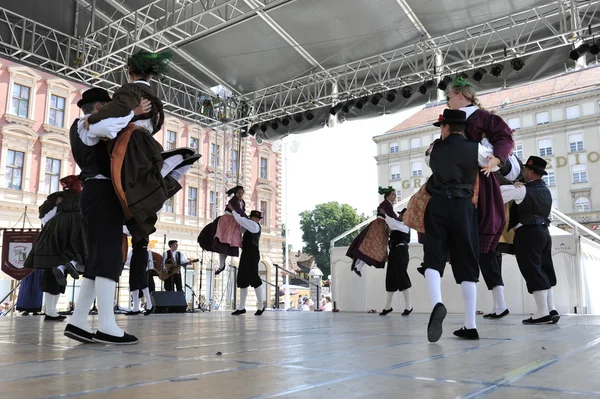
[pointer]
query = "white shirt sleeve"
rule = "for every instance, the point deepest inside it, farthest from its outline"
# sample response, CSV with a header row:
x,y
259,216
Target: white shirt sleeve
x,y
129,254
110,127
483,153
247,224
512,193
515,168
183,259
396,225
49,215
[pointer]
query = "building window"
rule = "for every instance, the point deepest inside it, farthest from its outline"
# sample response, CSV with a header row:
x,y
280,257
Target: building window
x,y
192,201
234,161
213,200
52,175
263,210
416,168
579,174
572,112
519,151
168,207
263,168
583,204
434,137
395,172
214,155
194,144
415,143
545,147
57,111
20,100
542,118
549,179
514,123
394,148
14,169
575,142
171,138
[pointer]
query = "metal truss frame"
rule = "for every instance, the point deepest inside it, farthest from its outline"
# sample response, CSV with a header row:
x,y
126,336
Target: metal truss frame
x,y
477,46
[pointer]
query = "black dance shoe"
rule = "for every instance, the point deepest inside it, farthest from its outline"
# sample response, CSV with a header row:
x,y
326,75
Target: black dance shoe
x,y
489,316
386,311
55,318
239,312
148,312
555,316
78,334
407,312
539,320
126,339
434,328
467,333
259,312
498,316
219,271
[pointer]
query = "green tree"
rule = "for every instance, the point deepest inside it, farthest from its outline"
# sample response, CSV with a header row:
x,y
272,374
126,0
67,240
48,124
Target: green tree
x,y
322,224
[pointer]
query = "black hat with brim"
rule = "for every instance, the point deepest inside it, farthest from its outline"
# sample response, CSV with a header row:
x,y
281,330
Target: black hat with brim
x,y
94,95
256,214
537,165
452,116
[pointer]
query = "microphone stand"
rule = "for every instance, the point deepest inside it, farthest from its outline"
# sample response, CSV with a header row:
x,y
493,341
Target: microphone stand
x,y
192,310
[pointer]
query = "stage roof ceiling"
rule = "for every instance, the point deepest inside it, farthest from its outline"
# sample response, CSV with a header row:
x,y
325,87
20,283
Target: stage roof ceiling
x,y
274,58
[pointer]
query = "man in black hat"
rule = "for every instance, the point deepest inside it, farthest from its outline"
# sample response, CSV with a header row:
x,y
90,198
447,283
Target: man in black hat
x,y
104,215
248,267
533,244
451,226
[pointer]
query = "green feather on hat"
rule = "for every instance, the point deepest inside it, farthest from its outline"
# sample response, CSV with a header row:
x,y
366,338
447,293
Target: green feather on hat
x,y
149,63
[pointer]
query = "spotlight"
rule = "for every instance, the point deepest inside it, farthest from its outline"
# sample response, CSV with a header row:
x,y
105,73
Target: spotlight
x,y
263,127
444,83
497,70
427,86
275,123
463,75
286,120
346,108
253,130
244,131
595,48
406,91
376,98
517,64
579,51
361,102
391,95
310,116
334,110
479,74
298,118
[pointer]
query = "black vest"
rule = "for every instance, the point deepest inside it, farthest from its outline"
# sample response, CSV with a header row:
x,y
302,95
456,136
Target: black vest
x,y
250,241
535,208
454,164
91,160
398,237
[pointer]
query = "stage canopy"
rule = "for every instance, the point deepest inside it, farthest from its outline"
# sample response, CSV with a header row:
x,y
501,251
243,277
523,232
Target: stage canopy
x,y
283,64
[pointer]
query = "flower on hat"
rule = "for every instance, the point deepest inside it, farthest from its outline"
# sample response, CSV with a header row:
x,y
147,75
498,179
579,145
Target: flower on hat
x,y
440,118
530,162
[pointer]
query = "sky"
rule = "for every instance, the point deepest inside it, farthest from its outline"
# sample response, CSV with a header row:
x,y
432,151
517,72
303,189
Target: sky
x,y
333,164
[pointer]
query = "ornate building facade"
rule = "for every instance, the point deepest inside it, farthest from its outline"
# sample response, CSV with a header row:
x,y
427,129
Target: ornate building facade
x,y
557,119
37,110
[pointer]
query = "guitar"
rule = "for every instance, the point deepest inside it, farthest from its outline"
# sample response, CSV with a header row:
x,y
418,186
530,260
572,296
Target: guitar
x,y
172,267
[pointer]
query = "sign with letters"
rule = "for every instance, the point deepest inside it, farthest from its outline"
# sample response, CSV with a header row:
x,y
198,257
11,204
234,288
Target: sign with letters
x,y
16,245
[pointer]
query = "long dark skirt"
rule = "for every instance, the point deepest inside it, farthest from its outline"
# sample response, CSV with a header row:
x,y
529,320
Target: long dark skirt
x,y
370,245
30,293
209,242
396,275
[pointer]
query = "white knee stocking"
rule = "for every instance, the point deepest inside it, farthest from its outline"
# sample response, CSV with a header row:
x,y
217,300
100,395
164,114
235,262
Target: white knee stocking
x,y
550,300
87,294
243,295
469,291
407,299
222,259
359,264
499,302
170,163
135,297
259,297
541,300
50,302
388,303
146,292
105,290
434,286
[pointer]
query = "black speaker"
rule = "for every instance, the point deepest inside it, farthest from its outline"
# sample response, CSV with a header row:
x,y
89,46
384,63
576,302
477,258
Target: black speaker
x,y
169,302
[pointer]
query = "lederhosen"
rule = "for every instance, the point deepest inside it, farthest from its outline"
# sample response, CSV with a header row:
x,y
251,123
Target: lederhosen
x,y
451,225
533,243
248,268
396,275
101,209
174,280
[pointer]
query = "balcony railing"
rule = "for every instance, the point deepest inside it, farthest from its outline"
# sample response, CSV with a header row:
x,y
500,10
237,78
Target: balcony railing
x,y
585,217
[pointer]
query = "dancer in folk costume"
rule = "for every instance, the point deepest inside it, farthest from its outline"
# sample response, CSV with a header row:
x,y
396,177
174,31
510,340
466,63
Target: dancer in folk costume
x,y
138,259
30,295
370,246
248,267
396,276
63,237
490,208
451,227
224,235
529,217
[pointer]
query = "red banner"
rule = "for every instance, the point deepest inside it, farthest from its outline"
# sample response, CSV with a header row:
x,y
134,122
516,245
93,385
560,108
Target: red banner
x,y
16,245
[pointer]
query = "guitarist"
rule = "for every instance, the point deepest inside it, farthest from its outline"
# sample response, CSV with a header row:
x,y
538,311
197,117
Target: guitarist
x,y
173,258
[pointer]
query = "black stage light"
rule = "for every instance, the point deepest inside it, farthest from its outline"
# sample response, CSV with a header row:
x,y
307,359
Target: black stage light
x,y
595,48
497,70
286,120
298,118
391,95
444,83
463,75
517,64
361,102
348,106
263,127
479,74
244,131
376,98
275,123
427,86
579,51
310,116
406,91
253,130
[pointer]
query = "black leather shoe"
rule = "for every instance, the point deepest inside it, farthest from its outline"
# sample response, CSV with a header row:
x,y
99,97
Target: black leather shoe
x,y
239,312
359,274
148,312
78,334
539,320
407,312
434,328
467,333
126,339
555,316
71,271
489,316
499,316
219,271
259,312
61,279
55,318
386,311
